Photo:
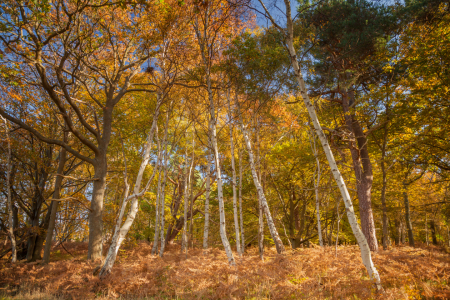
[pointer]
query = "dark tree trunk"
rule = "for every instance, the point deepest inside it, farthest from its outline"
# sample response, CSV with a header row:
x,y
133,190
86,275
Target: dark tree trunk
x,y
173,231
398,235
383,189
53,209
408,215
433,232
363,171
95,246
296,241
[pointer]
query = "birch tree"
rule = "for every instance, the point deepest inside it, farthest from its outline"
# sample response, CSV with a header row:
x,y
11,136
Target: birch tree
x,y
206,43
316,179
233,171
187,182
163,188
288,34
272,228
208,191
120,230
240,203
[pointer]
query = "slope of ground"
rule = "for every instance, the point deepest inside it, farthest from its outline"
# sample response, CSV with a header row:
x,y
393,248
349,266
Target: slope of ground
x,y
313,273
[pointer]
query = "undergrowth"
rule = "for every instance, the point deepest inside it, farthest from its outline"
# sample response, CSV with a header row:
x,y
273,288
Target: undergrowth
x,y
308,273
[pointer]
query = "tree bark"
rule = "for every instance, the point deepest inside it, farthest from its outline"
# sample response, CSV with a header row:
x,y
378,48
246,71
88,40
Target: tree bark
x,y
157,222
316,187
54,205
433,232
273,230
260,206
361,239
206,49
121,231
233,171
363,170
208,191
9,200
163,190
408,215
187,183
383,188
240,203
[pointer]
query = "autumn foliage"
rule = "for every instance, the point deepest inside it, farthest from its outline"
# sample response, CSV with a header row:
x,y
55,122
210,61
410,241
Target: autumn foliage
x,y
305,273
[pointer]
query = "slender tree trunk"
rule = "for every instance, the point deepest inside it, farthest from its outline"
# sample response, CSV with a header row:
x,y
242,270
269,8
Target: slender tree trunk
x,y
157,222
208,191
398,236
163,191
207,49
448,236
54,206
191,195
233,170
408,215
363,170
361,239
273,230
185,200
433,232
316,188
121,231
240,202
337,235
426,230
9,203
184,242
383,189
260,206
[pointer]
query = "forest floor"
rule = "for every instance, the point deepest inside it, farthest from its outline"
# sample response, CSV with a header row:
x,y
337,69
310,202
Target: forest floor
x,y
306,273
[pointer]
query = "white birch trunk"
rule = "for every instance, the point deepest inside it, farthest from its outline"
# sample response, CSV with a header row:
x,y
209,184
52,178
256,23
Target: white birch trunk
x,y
208,191
273,230
201,41
120,232
9,201
187,181
361,239
191,196
240,202
260,206
316,186
158,194
233,170
163,190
